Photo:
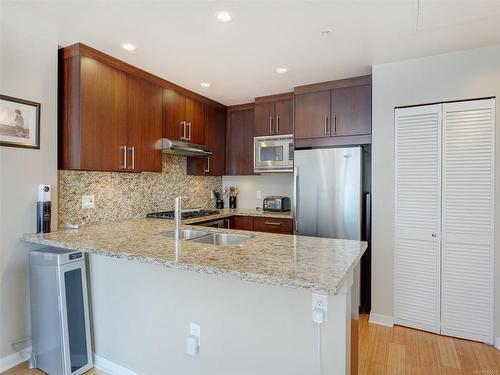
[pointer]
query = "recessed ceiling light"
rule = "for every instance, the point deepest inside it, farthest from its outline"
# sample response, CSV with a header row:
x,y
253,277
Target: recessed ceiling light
x,y
223,16
326,32
281,70
205,84
128,47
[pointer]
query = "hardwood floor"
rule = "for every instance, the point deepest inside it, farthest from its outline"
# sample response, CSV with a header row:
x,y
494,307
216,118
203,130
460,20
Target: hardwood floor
x,y
401,350
22,369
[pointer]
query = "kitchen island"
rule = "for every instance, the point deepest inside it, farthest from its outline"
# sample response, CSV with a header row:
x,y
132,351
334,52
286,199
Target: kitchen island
x,y
252,299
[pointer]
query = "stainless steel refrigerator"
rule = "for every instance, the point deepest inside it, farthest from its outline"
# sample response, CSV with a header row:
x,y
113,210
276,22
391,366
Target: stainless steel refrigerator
x,y
328,192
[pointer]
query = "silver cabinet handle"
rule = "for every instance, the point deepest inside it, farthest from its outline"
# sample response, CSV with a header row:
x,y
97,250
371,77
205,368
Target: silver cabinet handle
x,y
271,124
334,124
132,149
183,130
124,155
434,234
188,138
207,170
271,223
277,124
326,124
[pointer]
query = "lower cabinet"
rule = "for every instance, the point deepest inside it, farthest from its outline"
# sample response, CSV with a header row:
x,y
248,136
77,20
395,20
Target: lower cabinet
x,y
250,223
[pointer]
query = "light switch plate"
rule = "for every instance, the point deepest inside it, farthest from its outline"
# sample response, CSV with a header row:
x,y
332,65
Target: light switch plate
x,y
195,330
259,194
88,201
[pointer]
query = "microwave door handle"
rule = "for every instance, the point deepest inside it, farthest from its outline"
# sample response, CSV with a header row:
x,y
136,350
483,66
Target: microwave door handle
x,y
295,198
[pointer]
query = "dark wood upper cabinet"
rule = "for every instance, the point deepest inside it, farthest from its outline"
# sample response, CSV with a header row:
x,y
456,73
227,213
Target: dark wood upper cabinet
x,y
174,115
333,113
274,115
215,140
352,111
144,122
312,115
239,140
195,118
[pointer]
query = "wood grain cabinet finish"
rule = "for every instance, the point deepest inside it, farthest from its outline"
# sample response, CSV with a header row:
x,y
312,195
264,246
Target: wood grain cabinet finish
x,y
273,225
108,119
274,115
215,140
239,140
333,113
242,223
184,118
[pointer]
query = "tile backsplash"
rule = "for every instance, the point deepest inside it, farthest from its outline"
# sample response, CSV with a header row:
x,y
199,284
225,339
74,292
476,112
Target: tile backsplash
x,y
127,195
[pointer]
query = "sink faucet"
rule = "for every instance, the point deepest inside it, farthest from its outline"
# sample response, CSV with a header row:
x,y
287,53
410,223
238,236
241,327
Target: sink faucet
x,y
178,215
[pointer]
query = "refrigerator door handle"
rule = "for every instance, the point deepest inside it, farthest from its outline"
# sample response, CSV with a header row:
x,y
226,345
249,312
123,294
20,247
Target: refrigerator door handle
x,y
295,197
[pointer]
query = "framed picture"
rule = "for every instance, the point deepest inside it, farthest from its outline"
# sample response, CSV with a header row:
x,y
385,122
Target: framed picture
x,y
19,123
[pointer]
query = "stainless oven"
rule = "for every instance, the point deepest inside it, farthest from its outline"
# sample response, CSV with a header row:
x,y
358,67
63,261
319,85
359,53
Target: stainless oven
x,y
273,153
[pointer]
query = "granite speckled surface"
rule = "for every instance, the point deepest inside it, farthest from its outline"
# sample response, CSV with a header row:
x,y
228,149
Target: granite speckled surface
x,y
121,196
317,264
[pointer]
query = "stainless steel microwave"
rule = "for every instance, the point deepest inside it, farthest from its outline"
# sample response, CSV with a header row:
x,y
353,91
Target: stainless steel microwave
x,y
273,153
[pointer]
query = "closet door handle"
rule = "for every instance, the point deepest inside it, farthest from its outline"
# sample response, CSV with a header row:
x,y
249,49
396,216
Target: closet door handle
x,y
124,155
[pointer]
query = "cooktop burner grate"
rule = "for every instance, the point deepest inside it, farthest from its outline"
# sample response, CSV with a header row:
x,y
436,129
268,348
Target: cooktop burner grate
x,y
185,214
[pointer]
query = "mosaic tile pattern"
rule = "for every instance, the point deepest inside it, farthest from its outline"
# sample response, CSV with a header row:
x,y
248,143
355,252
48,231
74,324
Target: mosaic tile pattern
x,y
312,263
121,196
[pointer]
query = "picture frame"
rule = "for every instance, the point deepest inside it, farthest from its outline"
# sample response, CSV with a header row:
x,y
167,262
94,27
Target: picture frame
x,y
19,123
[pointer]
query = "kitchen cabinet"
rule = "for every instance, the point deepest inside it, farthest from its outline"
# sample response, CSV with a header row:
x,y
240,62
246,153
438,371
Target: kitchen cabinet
x,y
273,225
215,140
274,115
333,113
219,223
239,140
183,118
108,119
242,223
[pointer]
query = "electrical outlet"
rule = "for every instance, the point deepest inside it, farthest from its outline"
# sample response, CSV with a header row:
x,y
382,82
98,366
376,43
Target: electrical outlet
x,y
195,330
320,301
88,201
259,194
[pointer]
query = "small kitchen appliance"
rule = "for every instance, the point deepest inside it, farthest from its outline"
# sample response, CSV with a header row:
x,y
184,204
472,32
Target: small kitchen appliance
x,y
43,209
60,327
276,203
273,153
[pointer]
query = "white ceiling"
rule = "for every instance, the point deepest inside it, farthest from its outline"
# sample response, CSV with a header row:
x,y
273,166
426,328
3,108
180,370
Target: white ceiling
x,y
182,41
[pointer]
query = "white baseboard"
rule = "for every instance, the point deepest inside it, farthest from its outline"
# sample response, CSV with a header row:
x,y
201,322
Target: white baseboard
x,y
383,320
110,367
10,361
497,343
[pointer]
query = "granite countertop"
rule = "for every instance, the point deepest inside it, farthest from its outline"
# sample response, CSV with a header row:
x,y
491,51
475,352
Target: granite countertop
x,y
317,264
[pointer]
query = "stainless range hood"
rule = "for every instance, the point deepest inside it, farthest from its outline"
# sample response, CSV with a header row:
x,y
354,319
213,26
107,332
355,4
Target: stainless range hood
x,y
170,146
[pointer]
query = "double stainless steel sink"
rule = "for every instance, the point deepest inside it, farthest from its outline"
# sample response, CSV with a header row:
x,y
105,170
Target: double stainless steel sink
x,y
198,236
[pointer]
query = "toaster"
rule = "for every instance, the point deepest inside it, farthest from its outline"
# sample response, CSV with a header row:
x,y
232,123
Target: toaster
x,y
276,203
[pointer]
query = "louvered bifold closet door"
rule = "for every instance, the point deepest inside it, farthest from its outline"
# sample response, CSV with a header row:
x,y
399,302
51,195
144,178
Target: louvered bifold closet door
x,y
468,209
418,207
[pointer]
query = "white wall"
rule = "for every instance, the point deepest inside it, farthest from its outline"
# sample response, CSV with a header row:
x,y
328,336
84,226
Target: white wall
x,y
28,70
268,184
455,76
141,316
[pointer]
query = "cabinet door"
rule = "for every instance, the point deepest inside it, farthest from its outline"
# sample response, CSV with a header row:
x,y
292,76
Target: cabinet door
x,y
283,115
351,111
468,220
174,115
103,119
243,223
195,118
312,115
215,135
144,121
273,225
239,136
418,217
264,119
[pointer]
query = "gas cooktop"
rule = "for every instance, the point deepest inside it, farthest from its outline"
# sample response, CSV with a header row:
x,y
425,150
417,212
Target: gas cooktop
x,y
186,214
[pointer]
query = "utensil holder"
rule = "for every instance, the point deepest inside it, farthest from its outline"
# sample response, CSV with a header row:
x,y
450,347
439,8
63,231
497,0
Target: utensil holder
x,y
232,202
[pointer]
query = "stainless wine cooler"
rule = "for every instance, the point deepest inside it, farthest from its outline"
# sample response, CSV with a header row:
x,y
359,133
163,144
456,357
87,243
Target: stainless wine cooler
x,y
59,312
